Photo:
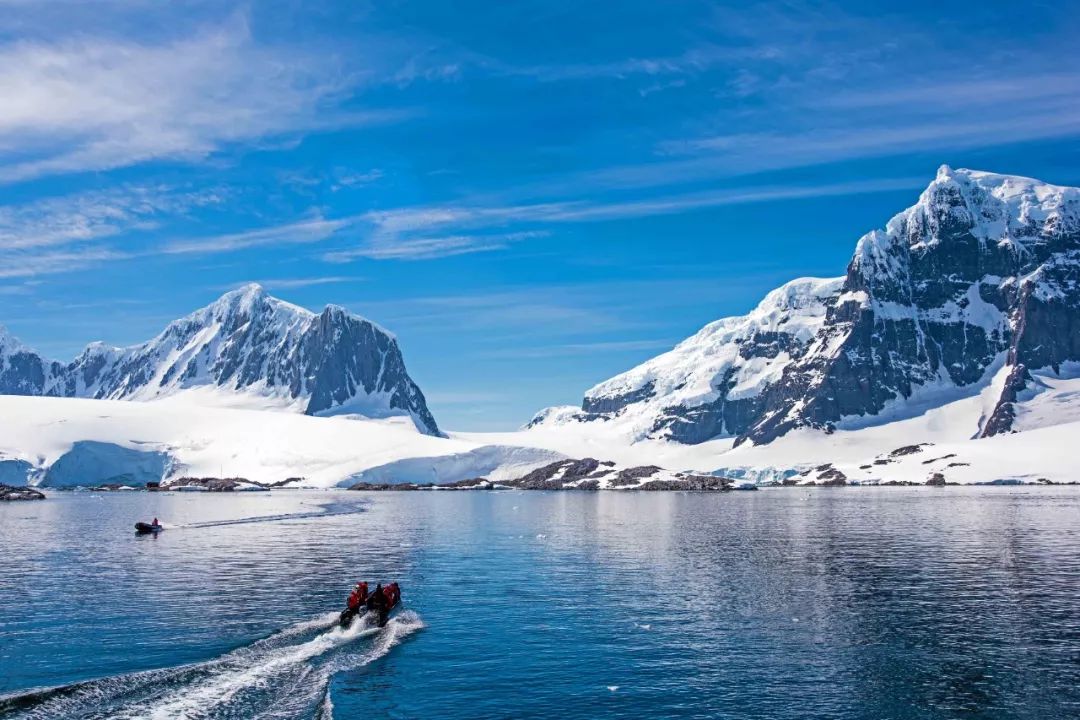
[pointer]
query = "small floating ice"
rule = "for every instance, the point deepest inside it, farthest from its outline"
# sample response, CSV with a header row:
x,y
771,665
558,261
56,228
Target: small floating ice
x,y
612,688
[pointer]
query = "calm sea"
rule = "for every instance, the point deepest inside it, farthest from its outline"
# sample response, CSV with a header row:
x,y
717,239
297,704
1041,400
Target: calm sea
x,y
785,603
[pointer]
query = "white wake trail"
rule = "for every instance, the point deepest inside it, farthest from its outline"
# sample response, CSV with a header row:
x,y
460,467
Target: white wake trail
x,y
267,679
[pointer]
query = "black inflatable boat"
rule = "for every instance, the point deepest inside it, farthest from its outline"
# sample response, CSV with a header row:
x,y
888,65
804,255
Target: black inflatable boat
x,y
146,528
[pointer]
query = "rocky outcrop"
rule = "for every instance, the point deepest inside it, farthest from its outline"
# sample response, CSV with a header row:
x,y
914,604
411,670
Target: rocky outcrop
x,y
1004,413
214,484
983,272
247,344
586,474
9,493
471,484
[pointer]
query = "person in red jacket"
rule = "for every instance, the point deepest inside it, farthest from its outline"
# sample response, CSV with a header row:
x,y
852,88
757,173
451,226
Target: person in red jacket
x,y
358,597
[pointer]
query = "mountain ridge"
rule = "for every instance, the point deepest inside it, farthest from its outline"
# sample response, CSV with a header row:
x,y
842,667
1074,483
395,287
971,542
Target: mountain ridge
x,y
980,277
246,344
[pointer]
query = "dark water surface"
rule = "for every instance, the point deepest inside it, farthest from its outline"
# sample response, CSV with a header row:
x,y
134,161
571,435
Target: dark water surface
x,y
786,603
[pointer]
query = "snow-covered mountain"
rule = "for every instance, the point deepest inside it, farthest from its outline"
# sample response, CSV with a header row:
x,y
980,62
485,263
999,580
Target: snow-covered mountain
x,y
975,287
246,348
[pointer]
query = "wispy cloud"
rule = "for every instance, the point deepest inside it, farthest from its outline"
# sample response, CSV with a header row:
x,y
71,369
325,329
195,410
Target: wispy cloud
x,y
292,283
20,264
304,231
387,245
95,215
1054,116
89,103
415,233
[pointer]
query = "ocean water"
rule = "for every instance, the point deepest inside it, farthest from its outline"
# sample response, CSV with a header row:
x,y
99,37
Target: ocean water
x,y
786,603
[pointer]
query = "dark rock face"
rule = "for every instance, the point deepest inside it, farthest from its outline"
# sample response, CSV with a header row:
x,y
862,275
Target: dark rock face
x,y
599,405
936,479
585,474
695,483
9,493
982,267
557,475
212,484
22,371
983,272
468,484
246,341
1001,419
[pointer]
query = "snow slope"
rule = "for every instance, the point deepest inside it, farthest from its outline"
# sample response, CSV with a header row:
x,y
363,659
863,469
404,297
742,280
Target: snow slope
x,y
981,273
1048,421
733,359
73,441
244,349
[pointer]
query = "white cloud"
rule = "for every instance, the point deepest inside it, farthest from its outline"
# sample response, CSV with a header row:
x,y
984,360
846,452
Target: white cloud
x,y
19,264
89,103
394,247
427,232
95,215
305,231
292,283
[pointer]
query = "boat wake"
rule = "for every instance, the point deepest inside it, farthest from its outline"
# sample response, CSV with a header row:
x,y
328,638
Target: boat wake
x,y
286,675
327,510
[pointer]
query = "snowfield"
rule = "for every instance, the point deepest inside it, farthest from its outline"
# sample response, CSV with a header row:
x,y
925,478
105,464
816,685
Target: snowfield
x,y
1048,418
58,442
63,442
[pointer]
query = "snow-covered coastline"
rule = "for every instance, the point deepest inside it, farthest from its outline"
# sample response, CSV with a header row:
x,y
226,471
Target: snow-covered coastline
x,y
61,442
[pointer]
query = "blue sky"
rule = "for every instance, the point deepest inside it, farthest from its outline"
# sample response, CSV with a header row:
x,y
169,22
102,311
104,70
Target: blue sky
x,y
533,196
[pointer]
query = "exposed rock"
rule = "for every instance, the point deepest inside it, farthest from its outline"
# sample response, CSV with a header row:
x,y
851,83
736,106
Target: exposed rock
x,y
908,450
984,269
469,484
9,493
245,342
1001,419
382,487
635,475
213,484
832,477
557,475
936,479
934,460
696,483
587,474
286,482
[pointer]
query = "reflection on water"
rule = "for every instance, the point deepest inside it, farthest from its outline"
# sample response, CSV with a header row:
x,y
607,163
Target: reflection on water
x,y
791,603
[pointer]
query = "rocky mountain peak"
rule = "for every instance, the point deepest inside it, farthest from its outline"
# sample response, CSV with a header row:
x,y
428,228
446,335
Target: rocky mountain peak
x,y
249,347
980,276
